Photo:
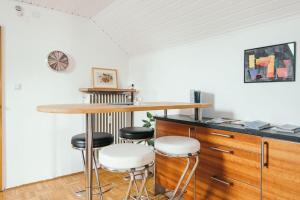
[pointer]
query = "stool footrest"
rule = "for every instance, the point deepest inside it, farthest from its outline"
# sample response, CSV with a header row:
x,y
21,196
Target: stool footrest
x,y
104,189
138,176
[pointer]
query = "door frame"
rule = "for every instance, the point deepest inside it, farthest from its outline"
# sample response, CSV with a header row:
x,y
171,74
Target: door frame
x,y
1,111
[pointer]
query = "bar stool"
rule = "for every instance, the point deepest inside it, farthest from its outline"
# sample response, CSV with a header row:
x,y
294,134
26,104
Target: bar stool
x,y
139,135
131,134
130,158
99,140
180,147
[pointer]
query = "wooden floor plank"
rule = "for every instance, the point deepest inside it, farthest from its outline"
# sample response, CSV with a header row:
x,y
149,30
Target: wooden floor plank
x,y
64,188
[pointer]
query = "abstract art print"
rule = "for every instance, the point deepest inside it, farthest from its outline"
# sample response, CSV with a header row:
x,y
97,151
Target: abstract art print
x,y
104,78
276,63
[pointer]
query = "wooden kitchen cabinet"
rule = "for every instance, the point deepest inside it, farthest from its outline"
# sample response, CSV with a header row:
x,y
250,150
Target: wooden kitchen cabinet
x,y
281,170
229,168
233,165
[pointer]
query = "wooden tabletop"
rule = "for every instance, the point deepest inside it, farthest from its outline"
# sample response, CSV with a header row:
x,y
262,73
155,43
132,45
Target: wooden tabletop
x,y
107,108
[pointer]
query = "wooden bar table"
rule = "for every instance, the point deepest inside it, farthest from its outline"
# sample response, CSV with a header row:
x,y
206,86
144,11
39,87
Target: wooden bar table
x,y
89,110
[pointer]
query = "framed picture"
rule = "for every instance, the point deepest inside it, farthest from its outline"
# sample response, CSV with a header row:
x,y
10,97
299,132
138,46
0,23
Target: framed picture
x,y
104,78
276,63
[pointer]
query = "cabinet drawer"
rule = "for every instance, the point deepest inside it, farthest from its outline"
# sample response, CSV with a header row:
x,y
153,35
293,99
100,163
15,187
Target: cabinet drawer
x,y
215,187
165,128
237,164
229,139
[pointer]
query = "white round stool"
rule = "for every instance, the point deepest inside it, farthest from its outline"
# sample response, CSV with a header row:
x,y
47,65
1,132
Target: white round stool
x,y
181,147
131,158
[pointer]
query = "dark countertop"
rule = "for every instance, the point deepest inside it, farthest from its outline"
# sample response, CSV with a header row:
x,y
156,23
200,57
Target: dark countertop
x,y
189,120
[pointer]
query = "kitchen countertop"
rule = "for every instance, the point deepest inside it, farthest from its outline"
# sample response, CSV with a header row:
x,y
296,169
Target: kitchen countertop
x,y
189,120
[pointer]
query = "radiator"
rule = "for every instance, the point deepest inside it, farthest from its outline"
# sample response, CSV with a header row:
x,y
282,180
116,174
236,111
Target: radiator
x,y
110,122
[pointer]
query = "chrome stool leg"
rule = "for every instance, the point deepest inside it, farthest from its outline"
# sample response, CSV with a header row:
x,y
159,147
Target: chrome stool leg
x,y
99,186
181,179
97,178
143,186
173,195
83,159
130,186
180,147
139,190
189,178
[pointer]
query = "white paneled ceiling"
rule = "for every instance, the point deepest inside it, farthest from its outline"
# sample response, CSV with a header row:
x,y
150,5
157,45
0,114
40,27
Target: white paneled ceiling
x,y
84,8
139,26
143,25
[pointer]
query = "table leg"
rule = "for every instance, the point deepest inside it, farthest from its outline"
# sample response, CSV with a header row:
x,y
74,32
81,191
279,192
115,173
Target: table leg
x,y
88,156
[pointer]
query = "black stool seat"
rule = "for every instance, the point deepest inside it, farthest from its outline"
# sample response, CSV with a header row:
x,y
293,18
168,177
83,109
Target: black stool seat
x,y
99,140
136,133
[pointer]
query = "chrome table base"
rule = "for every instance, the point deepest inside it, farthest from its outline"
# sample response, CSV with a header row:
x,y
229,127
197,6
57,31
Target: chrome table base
x,y
89,155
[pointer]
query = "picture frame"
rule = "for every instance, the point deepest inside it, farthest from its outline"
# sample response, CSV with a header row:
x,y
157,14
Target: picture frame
x,y
274,63
104,78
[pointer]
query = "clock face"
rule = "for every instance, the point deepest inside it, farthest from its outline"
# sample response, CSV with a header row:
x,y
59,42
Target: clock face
x,y
58,61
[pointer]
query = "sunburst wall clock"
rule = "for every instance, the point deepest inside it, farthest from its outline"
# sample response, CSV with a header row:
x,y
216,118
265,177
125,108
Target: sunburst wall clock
x,y
58,61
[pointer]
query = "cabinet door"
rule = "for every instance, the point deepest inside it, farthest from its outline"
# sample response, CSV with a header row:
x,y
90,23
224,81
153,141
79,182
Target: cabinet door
x,y
281,170
168,170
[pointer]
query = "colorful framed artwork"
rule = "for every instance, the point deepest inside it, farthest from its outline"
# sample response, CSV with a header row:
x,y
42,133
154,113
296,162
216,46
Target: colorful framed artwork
x,y
104,78
276,63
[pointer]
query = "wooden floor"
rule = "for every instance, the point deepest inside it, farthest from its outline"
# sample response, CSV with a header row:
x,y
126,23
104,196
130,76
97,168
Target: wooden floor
x,y
64,188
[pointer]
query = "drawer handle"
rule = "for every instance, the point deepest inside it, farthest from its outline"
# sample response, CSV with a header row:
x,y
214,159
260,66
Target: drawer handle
x,y
220,150
214,178
190,131
222,135
265,154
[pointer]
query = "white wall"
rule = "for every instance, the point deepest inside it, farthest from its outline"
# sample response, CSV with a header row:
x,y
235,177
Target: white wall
x,y
38,144
215,66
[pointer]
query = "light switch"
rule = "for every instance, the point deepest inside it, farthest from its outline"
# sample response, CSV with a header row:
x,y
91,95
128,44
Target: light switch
x,y
18,86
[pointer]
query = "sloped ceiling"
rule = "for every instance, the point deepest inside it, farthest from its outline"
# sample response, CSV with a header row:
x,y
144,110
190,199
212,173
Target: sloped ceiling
x,y
144,25
139,26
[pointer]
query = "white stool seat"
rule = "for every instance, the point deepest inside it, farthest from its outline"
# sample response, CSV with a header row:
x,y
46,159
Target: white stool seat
x,y
177,145
126,156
